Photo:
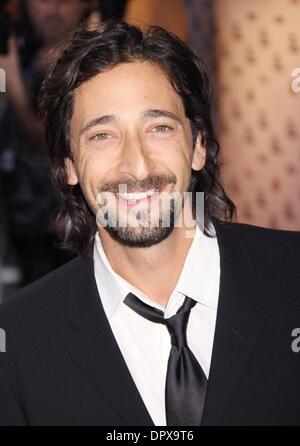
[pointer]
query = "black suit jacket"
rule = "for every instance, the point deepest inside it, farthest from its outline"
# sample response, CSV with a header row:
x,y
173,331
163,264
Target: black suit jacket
x,y
63,366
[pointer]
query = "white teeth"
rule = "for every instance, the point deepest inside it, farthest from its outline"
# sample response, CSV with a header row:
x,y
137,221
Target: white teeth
x,y
137,195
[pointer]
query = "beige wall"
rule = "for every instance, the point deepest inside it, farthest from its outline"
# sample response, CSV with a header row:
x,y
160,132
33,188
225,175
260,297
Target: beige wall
x,y
169,14
258,46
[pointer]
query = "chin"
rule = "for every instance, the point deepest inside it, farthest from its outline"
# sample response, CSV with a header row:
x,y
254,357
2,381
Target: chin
x,y
139,237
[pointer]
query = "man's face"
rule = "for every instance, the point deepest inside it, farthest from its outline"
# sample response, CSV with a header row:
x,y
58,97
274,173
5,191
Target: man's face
x,y
129,131
52,19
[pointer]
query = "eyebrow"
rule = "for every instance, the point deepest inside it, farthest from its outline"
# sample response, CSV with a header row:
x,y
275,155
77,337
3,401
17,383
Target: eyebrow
x,y
160,113
108,119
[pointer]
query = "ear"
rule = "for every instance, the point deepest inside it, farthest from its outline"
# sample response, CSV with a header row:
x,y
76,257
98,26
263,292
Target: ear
x,y
71,172
199,154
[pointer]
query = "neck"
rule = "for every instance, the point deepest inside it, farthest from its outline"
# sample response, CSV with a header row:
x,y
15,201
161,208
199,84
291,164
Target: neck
x,y
154,270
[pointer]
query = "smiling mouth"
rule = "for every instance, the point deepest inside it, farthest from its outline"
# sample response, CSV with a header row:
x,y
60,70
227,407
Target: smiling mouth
x,y
135,198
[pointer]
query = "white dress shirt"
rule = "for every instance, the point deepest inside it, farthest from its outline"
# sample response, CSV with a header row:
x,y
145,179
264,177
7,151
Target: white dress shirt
x,y
146,345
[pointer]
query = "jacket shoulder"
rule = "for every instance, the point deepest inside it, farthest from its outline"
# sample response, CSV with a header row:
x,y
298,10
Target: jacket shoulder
x,y
273,253
42,298
261,237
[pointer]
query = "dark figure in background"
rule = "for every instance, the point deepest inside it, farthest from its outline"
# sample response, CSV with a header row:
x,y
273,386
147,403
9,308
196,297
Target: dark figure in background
x,y
29,198
112,9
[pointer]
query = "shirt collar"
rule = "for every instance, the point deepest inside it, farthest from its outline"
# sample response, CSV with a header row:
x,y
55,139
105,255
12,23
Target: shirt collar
x,y
201,270
198,278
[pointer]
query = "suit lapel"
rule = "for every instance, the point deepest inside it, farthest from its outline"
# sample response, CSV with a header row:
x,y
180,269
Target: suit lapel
x,y
238,324
95,350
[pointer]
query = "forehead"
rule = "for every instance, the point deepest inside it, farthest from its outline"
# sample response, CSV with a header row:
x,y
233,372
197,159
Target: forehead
x,y
125,90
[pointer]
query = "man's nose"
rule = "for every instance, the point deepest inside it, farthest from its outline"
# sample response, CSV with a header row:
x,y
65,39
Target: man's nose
x,y
136,159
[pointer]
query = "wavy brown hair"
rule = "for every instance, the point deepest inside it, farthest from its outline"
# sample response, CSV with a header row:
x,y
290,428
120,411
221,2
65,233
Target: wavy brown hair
x,y
90,52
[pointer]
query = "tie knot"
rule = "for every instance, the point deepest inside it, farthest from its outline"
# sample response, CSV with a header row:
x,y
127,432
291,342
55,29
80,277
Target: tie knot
x,y
176,324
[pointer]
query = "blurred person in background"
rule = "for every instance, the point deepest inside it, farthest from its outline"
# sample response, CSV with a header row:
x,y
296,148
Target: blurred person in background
x,y
28,197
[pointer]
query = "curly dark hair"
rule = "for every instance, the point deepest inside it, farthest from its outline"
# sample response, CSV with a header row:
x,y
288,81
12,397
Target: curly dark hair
x,y
90,52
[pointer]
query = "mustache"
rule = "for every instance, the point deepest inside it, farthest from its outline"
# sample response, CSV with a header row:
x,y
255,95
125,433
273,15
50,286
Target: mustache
x,y
152,182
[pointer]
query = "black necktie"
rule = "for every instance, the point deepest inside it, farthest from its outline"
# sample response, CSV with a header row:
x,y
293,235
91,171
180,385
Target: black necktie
x,y
186,382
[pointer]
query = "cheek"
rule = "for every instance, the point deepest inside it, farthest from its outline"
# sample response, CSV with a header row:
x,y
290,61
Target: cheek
x,y
91,171
88,166
182,159
184,167
175,151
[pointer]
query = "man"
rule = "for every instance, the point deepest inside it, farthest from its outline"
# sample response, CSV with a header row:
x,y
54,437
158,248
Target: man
x,y
185,323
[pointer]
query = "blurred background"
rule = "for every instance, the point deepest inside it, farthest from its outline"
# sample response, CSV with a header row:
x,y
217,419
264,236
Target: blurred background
x,y
251,49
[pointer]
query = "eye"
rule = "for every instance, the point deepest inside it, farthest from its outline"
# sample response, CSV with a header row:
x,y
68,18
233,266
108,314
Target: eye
x,y
103,136
162,128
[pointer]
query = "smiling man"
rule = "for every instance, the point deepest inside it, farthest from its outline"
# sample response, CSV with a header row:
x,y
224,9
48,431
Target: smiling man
x,y
133,132
168,315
